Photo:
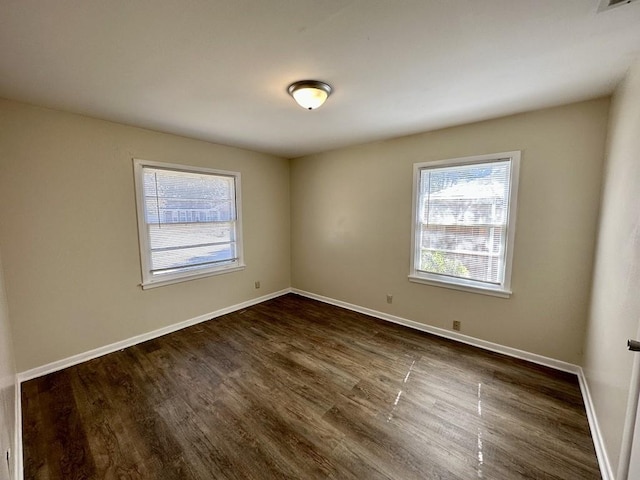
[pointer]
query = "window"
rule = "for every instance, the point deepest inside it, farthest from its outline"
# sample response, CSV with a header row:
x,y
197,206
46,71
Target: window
x,y
464,222
188,222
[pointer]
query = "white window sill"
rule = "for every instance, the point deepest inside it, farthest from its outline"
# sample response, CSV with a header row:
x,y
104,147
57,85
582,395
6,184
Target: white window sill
x,y
159,282
494,292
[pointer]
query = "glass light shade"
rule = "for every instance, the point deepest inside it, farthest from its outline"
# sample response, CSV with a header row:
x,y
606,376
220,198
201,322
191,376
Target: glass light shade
x,y
309,94
310,98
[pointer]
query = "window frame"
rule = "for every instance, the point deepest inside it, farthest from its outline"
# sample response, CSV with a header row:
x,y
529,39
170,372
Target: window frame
x,y
474,286
149,280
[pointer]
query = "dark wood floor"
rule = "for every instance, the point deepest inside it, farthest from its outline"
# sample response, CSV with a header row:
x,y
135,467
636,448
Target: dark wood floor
x,y
294,388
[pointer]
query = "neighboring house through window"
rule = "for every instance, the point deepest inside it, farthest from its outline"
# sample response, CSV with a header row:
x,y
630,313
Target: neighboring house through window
x,y
464,222
189,222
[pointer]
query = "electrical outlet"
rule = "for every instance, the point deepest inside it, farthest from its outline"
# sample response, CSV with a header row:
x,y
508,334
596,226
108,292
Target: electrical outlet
x,y
456,325
257,284
389,298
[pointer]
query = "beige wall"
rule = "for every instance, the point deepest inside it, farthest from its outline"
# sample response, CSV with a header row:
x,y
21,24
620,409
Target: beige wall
x,y
7,384
615,305
351,214
69,235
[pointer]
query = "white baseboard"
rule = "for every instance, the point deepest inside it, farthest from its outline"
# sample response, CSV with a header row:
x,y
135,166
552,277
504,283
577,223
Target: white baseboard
x,y
596,435
441,332
18,472
594,426
603,461
114,347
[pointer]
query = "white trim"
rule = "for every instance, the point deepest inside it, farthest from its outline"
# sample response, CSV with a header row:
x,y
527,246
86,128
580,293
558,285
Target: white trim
x,y
18,471
630,421
168,281
494,292
114,347
182,274
441,332
605,467
596,433
502,290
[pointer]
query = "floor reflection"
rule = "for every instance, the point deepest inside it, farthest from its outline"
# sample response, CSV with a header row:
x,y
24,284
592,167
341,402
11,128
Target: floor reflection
x,y
395,404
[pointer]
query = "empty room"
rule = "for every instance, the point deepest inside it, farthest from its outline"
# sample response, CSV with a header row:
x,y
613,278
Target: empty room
x,y
335,239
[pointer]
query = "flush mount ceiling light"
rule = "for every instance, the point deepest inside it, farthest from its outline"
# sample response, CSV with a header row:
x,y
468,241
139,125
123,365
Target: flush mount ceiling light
x,y
309,94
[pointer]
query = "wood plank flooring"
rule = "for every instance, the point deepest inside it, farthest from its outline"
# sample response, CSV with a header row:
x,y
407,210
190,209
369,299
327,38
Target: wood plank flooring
x,y
293,388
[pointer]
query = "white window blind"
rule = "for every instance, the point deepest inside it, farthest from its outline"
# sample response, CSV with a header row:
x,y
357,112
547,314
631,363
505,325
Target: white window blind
x,y
463,214
189,221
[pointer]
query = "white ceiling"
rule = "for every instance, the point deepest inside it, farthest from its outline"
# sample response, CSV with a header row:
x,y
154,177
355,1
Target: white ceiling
x,y
218,69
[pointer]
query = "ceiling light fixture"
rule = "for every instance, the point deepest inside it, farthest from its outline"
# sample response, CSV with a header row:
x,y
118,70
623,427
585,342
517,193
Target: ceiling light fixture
x,y
309,94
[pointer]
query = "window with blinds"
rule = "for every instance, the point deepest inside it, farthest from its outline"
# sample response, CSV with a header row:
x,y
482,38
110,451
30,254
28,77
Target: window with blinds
x,y
188,220
464,211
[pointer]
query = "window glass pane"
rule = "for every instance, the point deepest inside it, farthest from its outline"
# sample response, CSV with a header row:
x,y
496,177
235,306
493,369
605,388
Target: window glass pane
x,y
190,219
463,220
180,244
